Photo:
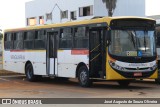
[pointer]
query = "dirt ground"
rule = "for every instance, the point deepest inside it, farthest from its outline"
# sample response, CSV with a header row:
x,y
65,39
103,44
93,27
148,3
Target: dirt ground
x,y
5,73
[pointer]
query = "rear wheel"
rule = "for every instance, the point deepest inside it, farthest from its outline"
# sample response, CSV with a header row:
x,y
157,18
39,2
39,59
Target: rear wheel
x,y
30,73
83,77
124,83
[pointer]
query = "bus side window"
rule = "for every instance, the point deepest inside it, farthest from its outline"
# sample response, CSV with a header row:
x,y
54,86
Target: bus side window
x,y
18,40
8,43
66,35
40,39
29,40
81,37
158,39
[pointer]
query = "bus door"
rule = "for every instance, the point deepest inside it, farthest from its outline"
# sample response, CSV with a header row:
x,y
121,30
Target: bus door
x,y
97,54
52,53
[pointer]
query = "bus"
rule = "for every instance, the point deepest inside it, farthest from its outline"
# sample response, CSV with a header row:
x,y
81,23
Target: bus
x,y
158,48
121,49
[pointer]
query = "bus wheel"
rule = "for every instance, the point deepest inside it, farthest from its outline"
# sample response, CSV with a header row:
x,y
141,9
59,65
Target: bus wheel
x,y
158,79
29,73
83,77
124,83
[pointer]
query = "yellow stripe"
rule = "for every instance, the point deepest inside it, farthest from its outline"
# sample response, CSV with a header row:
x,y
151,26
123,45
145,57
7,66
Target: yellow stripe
x,y
28,50
92,21
35,51
60,50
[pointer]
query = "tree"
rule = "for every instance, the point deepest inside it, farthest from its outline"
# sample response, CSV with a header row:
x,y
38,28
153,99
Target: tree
x,y
1,35
110,5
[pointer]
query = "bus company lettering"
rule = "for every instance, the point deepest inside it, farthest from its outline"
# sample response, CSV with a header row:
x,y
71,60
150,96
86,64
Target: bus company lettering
x,y
17,57
138,64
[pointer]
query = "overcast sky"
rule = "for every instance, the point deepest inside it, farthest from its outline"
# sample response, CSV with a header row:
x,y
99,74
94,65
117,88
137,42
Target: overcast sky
x,y
12,12
152,7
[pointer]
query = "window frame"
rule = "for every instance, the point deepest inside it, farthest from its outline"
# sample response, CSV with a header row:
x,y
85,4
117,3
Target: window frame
x,y
25,39
81,11
158,40
44,39
41,20
15,40
11,41
32,21
66,38
86,36
64,14
74,13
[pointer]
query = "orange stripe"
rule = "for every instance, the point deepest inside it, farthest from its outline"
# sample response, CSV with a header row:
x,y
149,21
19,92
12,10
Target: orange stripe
x,y
80,52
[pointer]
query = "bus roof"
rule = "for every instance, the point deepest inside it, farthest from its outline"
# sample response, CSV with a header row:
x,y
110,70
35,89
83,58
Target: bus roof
x,y
72,23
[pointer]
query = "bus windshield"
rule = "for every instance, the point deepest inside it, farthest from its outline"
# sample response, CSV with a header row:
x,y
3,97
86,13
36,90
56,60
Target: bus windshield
x,y
132,43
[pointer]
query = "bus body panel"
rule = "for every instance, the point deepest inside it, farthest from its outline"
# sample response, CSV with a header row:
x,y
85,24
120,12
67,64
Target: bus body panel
x,y
68,61
154,75
16,61
39,64
158,53
111,74
12,60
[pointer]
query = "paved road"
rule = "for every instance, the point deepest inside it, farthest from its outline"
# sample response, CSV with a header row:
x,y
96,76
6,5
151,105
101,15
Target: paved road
x,y
19,87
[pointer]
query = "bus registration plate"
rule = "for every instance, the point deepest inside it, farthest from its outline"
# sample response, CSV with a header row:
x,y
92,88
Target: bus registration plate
x,y
138,74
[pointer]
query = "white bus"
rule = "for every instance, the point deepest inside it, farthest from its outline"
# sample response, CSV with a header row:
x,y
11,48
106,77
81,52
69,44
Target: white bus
x,y
158,49
108,48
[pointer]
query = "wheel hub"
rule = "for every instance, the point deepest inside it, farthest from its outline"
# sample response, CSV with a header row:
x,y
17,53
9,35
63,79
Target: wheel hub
x,y
83,77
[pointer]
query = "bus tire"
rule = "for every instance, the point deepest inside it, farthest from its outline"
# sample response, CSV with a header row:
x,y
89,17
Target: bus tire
x,y
30,73
158,79
83,77
124,83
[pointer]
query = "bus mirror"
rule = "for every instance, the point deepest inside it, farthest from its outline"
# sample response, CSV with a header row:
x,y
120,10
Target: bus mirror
x,y
108,37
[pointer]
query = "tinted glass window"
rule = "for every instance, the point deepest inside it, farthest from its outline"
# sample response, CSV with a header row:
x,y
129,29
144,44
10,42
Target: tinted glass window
x,y
158,39
8,37
29,35
29,40
66,38
18,40
8,43
40,39
81,38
